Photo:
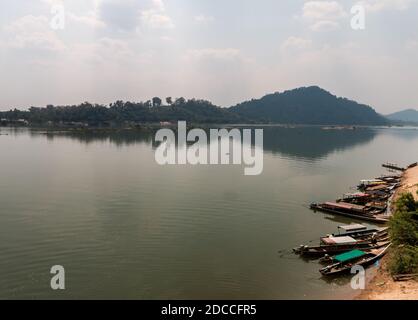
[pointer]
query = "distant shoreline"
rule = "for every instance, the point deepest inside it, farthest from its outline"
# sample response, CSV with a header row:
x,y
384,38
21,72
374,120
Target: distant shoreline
x,y
144,126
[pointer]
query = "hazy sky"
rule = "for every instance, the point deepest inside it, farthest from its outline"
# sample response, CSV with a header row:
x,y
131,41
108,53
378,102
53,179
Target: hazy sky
x,y
222,50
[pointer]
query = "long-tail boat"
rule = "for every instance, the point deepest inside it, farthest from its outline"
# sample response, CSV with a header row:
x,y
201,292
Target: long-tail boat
x,y
342,244
351,210
366,234
344,262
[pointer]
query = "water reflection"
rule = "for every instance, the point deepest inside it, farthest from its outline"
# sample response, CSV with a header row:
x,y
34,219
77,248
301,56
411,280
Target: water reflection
x,y
300,142
314,142
126,227
121,137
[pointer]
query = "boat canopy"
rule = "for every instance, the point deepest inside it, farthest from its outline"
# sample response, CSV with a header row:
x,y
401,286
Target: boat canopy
x,y
338,240
356,195
377,187
345,205
349,255
352,227
370,181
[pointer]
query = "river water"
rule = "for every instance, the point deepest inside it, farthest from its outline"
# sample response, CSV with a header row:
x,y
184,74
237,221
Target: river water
x,y
125,227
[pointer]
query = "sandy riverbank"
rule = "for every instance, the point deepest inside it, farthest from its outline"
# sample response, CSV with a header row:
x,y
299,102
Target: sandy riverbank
x,y
409,182
382,286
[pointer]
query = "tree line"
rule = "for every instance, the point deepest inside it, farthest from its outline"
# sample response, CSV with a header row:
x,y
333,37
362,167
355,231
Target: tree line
x,y
153,110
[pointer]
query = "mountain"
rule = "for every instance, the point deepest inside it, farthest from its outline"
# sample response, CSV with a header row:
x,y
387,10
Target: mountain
x,y
408,115
308,105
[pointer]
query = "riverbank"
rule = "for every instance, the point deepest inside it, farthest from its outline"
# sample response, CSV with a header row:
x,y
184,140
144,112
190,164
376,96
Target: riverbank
x,y
382,286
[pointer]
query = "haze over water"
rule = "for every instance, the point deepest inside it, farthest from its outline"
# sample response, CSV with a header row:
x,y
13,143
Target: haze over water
x,y
125,227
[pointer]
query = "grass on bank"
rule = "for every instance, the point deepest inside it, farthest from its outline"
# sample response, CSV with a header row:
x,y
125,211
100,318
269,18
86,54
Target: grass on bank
x,y
404,235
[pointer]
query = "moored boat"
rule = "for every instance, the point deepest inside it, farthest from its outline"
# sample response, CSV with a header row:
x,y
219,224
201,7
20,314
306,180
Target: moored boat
x,y
349,259
378,234
342,245
351,210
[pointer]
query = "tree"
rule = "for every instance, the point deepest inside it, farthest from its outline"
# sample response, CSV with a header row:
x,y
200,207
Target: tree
x,y
180,101
156,102
169,101
406,203
404,236
148,104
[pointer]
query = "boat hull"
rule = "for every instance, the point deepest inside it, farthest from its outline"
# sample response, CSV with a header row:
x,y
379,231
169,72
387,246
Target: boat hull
x,y
321,251
349,214
341,268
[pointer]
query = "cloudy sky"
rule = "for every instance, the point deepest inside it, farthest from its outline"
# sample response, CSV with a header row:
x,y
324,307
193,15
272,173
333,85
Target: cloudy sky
x,y
222,50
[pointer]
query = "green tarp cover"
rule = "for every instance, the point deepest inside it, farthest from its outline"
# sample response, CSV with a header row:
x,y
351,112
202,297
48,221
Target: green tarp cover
x,y
349,255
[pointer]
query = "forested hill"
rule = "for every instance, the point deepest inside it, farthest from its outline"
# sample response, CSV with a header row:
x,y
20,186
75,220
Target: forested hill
x,y
197,111
308,105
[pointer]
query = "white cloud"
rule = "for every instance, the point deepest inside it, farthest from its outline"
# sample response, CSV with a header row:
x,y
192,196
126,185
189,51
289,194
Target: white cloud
x,y
156,17
295,43
33,32
211,53
156,20
323,15
91,19
201,18
324,25
131,15
323,10
158,5
379,5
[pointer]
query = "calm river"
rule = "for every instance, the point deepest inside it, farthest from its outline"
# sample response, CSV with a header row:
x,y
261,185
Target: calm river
x,y
125,227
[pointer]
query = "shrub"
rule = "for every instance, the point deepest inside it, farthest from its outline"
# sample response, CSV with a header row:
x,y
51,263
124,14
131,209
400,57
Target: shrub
x,y
404,235
404,229
404,260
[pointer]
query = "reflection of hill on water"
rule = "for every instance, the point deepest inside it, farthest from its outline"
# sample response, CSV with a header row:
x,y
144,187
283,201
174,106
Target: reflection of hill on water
x,y
409,133
300,142
117,137
313,142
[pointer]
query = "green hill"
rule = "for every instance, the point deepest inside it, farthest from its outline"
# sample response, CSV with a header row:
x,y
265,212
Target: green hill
x,y
308,105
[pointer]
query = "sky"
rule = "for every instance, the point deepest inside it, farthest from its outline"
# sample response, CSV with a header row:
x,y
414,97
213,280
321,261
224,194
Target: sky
x,y
65,52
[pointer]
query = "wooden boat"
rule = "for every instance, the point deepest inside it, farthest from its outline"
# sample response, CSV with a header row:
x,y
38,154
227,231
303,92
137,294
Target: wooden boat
x,y
365,199
378,205
343,246
350,210
393,166
356,198
391,179
368,234
381,187
382,195
349,259
390,176
370,182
